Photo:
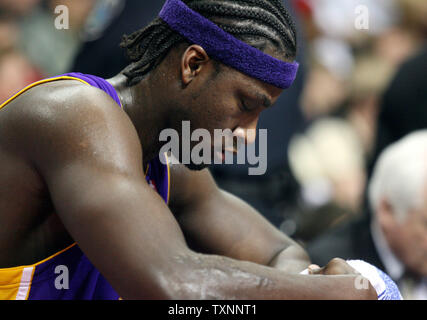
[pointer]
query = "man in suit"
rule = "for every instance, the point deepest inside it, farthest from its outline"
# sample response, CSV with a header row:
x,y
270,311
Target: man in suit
x,y
395,239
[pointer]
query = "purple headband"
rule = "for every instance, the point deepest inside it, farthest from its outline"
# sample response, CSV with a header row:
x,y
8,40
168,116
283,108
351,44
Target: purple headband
x,y
223,47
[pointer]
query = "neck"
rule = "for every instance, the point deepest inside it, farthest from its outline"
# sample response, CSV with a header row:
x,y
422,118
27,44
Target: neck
x,y
145,112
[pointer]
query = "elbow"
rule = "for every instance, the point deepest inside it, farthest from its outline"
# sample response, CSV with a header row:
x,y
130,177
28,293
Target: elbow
x,y
293,252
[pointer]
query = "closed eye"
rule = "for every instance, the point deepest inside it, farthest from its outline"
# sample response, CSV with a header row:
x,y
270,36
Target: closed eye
x,y
260,100
245,107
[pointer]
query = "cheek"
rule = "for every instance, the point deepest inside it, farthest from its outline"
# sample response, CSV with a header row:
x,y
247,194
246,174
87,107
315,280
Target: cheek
x,y
421,240
413,239
219,115
411,244
418,232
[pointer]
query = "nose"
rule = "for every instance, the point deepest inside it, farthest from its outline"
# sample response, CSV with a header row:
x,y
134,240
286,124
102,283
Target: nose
x,y
247,133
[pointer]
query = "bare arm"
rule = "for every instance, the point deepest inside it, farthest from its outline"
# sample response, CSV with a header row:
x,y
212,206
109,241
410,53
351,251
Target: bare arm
x,y
89,154
219,223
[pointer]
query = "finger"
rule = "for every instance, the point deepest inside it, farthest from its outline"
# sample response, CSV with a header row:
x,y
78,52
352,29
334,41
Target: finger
x,y
314,269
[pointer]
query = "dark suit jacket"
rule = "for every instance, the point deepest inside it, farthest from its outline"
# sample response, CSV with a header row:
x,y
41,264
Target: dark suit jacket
x,y
352,240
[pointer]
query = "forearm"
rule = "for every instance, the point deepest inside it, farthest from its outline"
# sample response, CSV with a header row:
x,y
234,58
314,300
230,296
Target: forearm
x,y
214,277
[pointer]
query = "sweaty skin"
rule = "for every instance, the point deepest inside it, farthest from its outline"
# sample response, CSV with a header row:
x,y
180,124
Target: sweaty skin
x,y
74,174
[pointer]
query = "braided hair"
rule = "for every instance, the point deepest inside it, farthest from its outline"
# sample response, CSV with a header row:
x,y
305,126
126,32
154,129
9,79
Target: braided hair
x,y
256,22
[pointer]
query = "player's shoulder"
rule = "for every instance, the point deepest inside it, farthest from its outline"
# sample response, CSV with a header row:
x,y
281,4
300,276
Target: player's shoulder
x,y
64,102
64,94
66,112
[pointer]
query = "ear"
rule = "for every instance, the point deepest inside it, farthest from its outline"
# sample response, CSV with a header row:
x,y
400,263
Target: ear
x,y
192,62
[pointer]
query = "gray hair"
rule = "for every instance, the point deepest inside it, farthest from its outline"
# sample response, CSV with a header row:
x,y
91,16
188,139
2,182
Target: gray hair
x,y
400,175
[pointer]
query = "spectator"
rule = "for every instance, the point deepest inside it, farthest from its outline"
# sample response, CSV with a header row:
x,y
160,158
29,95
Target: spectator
x,y
328,163
16,72
8,34
54,49
100,54
349,70
396,239
17,9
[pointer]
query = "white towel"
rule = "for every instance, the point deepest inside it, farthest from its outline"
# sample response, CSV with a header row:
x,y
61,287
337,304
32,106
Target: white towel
x,y
384,286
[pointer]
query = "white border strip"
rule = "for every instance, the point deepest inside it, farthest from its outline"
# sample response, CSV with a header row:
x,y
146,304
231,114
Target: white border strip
x,y
24,287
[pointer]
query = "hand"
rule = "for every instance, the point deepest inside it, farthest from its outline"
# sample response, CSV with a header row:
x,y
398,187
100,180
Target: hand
x,y
336,266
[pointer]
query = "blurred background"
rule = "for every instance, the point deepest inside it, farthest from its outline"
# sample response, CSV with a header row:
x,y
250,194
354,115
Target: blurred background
x,y
358,90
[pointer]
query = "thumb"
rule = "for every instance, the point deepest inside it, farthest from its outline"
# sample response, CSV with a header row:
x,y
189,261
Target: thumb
x,y
314,269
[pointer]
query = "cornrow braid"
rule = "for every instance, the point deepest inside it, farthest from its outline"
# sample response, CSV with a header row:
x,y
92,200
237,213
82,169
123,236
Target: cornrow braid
x,y
287,17
278,10
250,13
248,30
247,20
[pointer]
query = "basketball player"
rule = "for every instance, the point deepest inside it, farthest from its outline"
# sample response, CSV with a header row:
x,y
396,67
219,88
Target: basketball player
x,y
86,198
